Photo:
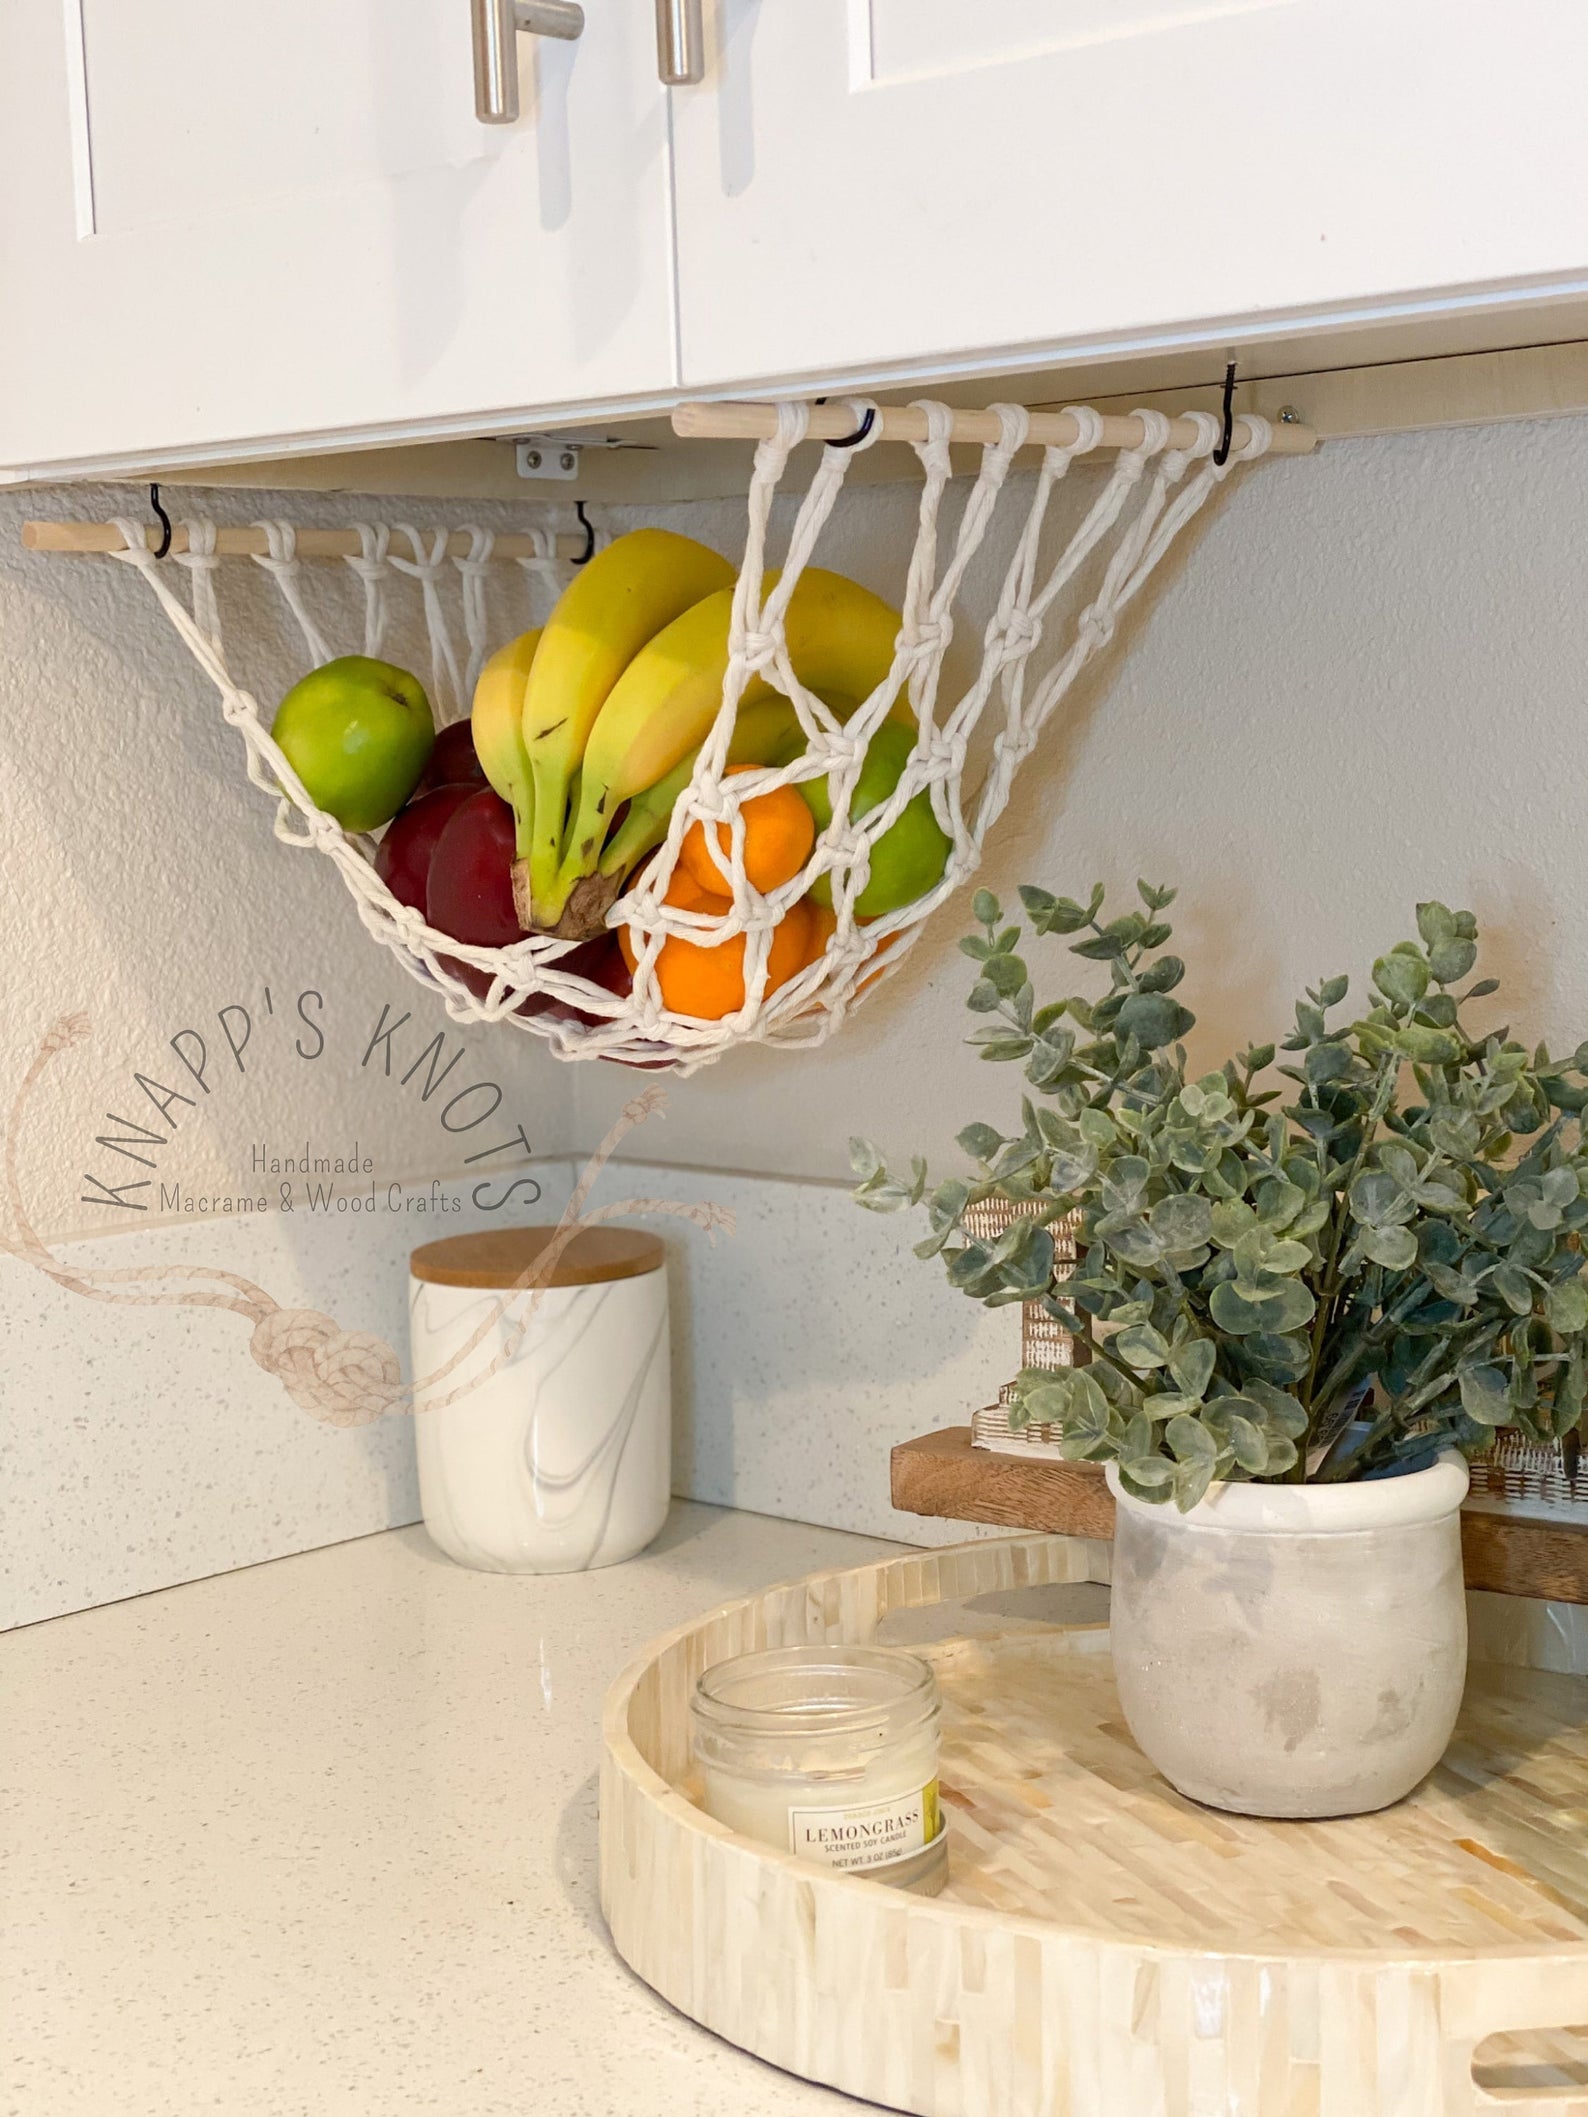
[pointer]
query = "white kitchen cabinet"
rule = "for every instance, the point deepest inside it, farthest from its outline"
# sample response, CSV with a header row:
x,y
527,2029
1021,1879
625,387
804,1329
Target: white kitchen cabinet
x,y
232,231
222,224
898,184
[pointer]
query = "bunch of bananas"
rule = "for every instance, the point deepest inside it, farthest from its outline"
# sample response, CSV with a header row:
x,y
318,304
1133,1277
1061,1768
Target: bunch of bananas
x,y
591,726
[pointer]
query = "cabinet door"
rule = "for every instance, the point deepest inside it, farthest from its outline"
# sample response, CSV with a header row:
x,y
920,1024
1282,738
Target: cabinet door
x,y
881,183
234,222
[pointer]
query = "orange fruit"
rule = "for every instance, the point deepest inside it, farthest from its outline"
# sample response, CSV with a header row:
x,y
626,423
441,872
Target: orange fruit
x,y
709,982
824,924
779,831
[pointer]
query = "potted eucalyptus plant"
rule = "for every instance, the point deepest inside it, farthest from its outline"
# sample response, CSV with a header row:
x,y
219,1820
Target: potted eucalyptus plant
x,y
1296,1310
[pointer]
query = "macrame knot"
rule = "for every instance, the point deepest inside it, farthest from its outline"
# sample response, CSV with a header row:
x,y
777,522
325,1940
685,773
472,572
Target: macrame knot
x,y
1259,437
847,848
759,650
409,921
370,560
940,757
346,1378
926,641
1156,430
1089,429
834,750
1015,637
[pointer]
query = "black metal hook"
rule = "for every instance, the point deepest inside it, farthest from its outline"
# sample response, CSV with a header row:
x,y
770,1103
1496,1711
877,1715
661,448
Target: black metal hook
x,y
163,547
854,440
1221,455
588,527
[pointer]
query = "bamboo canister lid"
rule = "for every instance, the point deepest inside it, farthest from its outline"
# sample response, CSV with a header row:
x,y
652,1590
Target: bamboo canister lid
x,y
499,1257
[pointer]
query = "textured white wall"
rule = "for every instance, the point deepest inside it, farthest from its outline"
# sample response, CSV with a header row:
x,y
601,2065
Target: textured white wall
x,y
143,886
1360,682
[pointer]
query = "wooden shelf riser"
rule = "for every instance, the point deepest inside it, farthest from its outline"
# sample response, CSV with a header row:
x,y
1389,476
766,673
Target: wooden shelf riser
x,y
941,1474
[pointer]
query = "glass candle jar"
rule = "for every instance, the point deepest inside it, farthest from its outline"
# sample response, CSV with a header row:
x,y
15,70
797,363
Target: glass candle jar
x,y
829,1752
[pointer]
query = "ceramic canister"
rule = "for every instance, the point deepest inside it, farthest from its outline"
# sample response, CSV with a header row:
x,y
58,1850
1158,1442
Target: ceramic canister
x,y
547,1448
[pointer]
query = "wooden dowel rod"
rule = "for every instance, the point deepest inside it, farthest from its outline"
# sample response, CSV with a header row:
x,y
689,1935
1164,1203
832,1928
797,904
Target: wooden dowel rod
x,y
247,542
902,422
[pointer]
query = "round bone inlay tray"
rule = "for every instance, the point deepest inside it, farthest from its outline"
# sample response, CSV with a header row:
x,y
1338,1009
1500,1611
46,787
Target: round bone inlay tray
x,y
1105,1947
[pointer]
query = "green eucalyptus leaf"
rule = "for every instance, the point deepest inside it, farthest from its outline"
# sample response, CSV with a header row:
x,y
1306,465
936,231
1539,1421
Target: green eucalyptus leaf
x,y
998,1046
1278,1411
980,1142
1377,1200
1132,1239
1162,976
1141,1346
1279,1358
1192,1364
1167,1403
864,1158
1190,1440
1005,974
1182,1221
1436,923
1428,1047
1570,1392
1278,1201
1449,961
1148,1477
1191,1481
1327,1062
1402,975
1154,1020
1567,1307
1394,1248
1242,1313
1483,1395
1230,1220
1453,1285
1514,1288
1247,1443
1236,1313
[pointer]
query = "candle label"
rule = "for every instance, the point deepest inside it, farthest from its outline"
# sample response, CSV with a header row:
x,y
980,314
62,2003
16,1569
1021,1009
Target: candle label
x,y
852,1838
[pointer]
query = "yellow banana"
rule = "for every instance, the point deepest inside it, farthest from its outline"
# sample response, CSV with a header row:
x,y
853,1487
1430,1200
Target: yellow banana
x,y
766,733
497,722
626,594
840,637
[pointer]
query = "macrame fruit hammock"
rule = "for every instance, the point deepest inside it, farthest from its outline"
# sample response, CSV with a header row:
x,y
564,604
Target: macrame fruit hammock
x,y
1162,473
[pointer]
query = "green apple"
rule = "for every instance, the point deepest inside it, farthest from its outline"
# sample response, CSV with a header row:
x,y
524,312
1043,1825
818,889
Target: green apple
x,y
358,733
911,854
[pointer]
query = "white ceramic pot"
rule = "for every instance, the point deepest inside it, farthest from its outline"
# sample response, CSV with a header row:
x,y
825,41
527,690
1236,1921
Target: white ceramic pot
x,y
560,1460
1293,1650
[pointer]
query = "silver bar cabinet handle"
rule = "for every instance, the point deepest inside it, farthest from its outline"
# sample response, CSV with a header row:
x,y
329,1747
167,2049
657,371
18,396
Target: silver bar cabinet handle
x,y
496,24
680,46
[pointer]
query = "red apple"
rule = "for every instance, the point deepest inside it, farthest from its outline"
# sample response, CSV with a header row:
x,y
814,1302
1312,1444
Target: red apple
x,y
601,962
403,858
470,890
453,762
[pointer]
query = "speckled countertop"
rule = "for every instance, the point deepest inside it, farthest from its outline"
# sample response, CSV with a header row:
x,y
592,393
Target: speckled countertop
x,y
318,1839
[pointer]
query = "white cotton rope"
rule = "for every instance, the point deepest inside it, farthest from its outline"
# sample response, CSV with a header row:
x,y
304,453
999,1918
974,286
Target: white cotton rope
x,y
1148,497
427,568
544,575
372,567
